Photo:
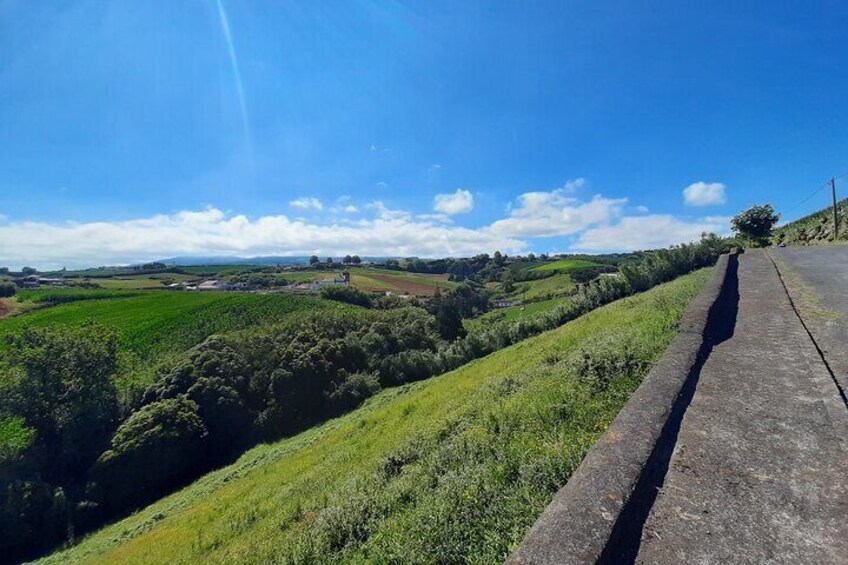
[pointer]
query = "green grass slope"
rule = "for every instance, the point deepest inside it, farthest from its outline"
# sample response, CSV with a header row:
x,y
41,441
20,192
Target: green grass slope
x,y
155,322
815,228
450,470
566,265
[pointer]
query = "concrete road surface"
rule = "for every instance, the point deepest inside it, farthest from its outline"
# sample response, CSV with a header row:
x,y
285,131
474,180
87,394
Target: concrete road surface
x,y
817,279
759,473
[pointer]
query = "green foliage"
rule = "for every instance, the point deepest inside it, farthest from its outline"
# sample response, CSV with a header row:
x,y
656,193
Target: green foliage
x,y
814,228
156,449
29,271
346,294
60,409
7,289
15,437
450,470
65,393
754,224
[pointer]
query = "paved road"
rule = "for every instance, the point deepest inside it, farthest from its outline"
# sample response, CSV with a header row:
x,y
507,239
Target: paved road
x,y
817,279
758,474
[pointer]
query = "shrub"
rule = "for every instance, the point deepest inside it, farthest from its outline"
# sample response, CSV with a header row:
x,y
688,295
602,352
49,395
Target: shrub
x,y
346,294
7,289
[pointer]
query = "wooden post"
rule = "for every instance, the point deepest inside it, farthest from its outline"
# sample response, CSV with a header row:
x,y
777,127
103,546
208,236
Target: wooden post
x,y
835,216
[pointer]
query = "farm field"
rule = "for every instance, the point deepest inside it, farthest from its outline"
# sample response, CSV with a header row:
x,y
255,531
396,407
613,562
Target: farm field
x,y
154,322
513,313
452,469
566,265
122,283
400,282
559,284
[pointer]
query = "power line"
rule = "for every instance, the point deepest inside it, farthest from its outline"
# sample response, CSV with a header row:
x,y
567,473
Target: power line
x,y
813,193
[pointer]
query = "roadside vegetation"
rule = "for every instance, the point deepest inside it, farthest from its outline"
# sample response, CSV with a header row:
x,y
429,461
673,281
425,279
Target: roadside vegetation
x,y
450,470
815,228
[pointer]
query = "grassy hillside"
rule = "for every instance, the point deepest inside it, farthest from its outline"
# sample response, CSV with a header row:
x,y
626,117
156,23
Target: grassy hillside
x,y
815,228
566,265
449,470
151,323
513,313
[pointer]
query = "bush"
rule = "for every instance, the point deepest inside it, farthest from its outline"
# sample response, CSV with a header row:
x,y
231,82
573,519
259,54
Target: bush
x,y
346,294
7,289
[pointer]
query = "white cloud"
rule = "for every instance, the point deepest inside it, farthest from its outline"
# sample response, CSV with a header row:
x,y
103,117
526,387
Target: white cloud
x,y
642,209
598,223
548,214
649,232
306,203
459,202
212,232
704,194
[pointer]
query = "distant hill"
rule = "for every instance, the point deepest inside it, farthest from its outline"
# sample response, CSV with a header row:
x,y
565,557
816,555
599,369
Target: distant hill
x,y
263,260
815,228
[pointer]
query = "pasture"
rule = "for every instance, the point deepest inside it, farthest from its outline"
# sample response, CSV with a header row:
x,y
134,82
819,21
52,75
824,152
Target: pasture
x,y
566,265
154,322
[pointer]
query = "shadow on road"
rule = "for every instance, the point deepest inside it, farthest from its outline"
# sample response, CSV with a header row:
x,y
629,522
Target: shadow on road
x,y
625,541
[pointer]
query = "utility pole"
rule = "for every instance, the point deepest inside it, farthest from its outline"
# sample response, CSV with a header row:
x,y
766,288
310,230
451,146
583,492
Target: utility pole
x,y
835,216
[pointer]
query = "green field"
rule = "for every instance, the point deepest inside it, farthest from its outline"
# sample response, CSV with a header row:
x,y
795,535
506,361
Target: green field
x,y
454,469
566,265
513,313
559,284
154,322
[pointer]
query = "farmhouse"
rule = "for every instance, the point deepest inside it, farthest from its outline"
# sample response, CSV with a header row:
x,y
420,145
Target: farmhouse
x,y
343,280
29,281
212,284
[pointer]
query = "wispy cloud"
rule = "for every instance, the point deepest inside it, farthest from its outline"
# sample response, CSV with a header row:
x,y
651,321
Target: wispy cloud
x,y
306,203
459,202
704,194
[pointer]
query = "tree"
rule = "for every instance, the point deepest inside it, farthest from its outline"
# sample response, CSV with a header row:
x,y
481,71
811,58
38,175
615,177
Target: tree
x,y
7,289
65,393
4,270
29,271
314,260
355,260
754,224
346,294
329,260
156,449
347,260
508,282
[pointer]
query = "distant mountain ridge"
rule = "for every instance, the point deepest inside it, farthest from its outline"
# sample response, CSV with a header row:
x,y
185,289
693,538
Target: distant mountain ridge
x,y
190,261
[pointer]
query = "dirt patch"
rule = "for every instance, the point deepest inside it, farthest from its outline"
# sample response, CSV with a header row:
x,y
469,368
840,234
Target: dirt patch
x,y
400,285
8,307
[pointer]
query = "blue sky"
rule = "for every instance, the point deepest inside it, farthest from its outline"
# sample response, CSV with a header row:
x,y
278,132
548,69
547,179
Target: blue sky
x,y
135,130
